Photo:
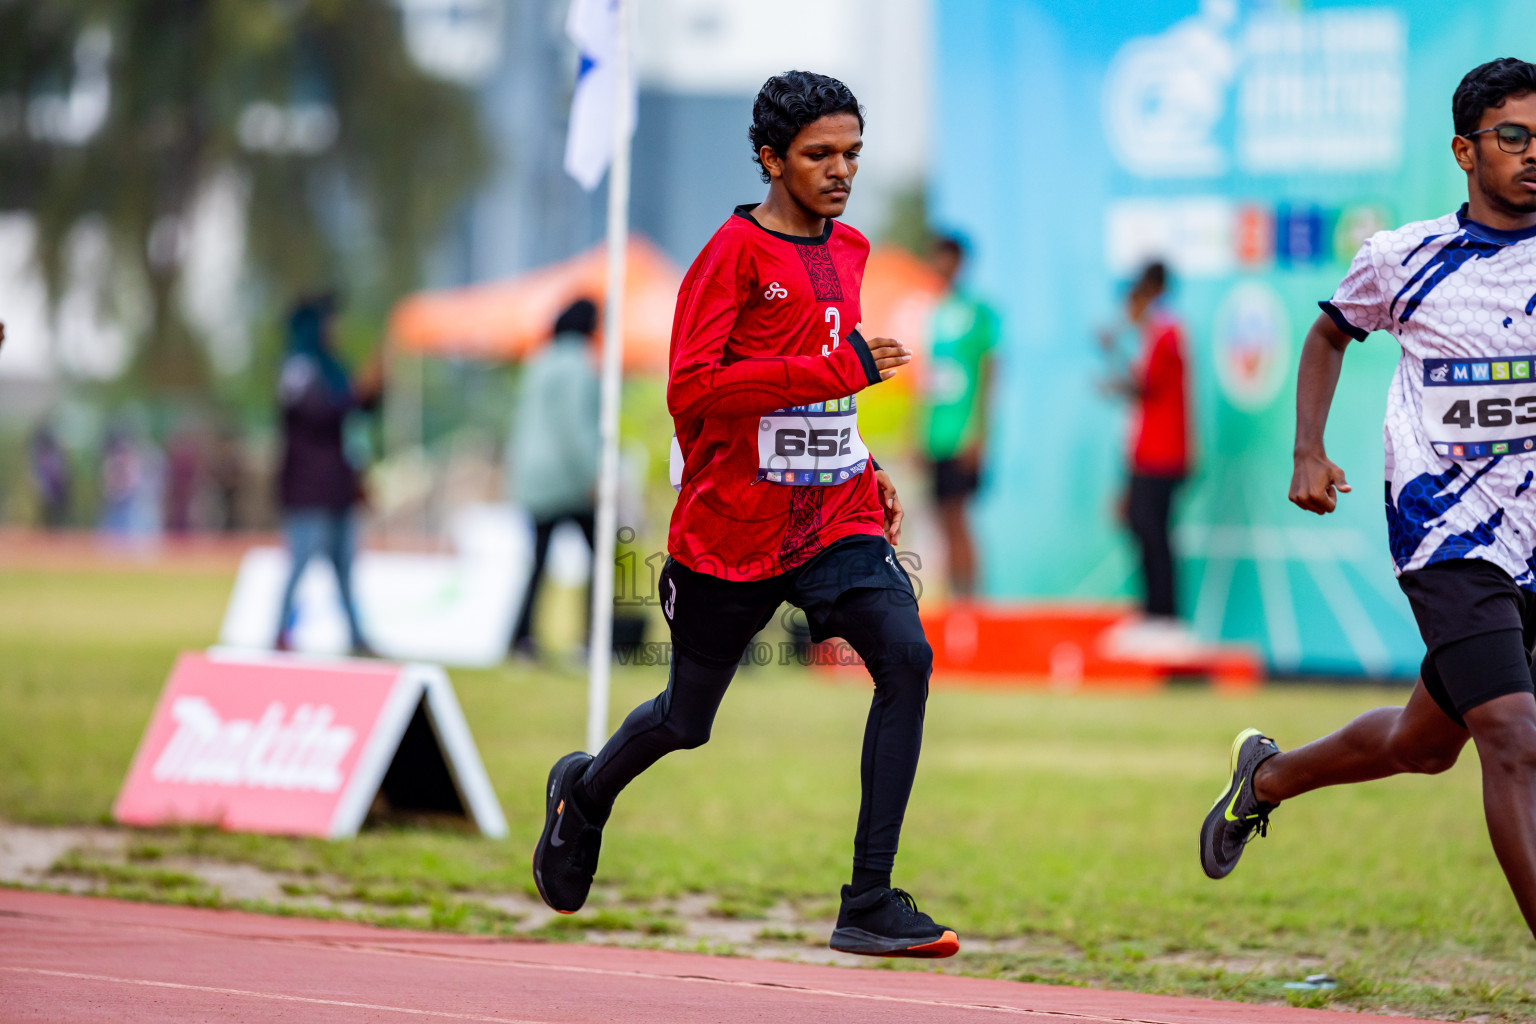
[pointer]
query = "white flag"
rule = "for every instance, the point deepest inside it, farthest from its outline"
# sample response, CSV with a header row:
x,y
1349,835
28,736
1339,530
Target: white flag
x,y
594,26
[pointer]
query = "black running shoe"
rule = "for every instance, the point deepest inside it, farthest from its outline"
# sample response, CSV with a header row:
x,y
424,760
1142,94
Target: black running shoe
x,y
1238,815
886,922
566,858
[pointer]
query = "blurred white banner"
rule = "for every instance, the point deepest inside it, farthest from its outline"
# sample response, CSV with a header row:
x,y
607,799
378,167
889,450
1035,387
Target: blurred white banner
x,y
456,609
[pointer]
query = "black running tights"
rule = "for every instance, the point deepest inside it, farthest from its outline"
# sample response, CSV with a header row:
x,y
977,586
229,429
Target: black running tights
x,y
883,627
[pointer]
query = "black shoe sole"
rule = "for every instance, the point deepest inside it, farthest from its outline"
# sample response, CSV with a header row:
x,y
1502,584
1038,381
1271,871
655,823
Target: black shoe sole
x,y
1210,830
552,798
857,940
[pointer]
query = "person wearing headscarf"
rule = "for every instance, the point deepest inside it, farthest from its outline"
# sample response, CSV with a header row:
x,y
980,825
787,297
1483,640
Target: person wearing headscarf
x,y
319,489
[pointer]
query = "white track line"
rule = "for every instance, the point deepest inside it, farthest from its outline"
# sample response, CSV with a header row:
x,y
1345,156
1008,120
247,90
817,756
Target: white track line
x,y
704,979
277,996
389,949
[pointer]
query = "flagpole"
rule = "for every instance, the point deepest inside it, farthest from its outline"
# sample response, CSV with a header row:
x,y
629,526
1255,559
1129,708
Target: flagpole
x,y
600,652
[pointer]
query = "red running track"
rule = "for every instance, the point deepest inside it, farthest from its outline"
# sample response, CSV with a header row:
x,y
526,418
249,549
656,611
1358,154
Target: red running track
x,y
79,959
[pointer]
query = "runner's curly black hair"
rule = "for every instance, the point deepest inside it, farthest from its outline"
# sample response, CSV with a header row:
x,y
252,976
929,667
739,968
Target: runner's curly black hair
x,y
1489,85
787,103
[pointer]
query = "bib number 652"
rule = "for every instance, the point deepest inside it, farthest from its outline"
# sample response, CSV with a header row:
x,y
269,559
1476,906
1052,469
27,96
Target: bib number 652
x,y
821,443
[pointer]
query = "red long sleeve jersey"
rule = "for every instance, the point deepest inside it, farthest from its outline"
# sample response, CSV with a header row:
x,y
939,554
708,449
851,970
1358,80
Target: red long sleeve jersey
x,y
765,322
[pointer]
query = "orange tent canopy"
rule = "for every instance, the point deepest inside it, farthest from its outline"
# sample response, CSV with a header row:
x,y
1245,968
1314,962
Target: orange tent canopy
x,y
506,320
900,292
899,295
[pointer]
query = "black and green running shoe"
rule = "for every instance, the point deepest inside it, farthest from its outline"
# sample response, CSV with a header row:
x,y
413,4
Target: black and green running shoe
x,y
1238,815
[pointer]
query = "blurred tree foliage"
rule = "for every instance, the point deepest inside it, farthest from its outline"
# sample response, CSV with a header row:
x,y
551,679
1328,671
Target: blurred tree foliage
x,y
907,225
353,196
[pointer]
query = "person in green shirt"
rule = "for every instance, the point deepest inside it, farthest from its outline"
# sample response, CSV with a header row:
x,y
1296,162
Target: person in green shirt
x,y
554,446
954,424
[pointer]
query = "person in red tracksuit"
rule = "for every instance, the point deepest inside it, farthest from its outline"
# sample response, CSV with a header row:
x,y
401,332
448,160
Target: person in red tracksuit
x,y
779,500
1156,382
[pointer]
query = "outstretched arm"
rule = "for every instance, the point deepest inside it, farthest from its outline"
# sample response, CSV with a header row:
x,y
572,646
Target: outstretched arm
x,y
1315,479
705,385
706,381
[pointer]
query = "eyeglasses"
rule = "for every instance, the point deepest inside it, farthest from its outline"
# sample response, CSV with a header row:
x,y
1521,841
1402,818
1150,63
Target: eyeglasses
x,y
1513,138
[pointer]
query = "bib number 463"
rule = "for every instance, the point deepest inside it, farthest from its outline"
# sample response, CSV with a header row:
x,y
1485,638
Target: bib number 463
x,y
1491,412
822,443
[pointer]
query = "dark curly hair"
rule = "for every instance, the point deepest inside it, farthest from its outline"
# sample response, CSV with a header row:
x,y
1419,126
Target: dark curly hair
x,y
787,103
1489,85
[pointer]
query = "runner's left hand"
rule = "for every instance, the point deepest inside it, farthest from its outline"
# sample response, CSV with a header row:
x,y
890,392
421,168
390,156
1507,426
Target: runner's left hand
x,y
891,506
889,356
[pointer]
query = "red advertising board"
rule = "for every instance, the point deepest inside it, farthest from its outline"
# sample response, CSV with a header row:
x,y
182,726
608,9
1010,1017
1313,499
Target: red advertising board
x,y
290,745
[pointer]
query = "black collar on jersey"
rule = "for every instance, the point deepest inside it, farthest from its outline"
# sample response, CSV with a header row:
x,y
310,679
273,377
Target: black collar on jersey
x,y
1481,230
821,239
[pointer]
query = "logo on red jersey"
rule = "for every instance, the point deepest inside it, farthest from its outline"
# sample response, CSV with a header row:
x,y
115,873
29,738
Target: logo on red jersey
x,y
776,291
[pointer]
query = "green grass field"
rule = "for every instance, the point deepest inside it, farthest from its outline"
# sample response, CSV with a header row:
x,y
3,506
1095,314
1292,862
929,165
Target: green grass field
x,y
1065,825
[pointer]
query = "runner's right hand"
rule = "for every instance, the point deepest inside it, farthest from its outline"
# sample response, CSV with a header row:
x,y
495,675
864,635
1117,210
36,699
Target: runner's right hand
x,y
1314,482
889,355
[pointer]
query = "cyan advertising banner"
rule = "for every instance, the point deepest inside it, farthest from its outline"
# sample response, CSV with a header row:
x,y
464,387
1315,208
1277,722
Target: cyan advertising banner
x,y
1252,146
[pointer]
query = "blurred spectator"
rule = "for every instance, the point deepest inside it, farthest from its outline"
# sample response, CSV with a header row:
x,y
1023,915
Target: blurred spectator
x,y
132,484
51,476
1152,376
119,479
954,438
318,488
185,458
226,475
554,446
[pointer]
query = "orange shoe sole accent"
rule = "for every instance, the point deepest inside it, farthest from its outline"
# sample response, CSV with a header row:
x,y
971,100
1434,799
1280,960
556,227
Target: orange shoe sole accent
x,y
947,944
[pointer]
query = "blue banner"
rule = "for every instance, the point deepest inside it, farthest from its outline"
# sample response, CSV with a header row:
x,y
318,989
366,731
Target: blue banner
x,y
1252,146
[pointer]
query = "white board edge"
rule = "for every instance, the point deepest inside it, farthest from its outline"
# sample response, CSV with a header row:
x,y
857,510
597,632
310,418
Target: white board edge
x,y
459,750
373,762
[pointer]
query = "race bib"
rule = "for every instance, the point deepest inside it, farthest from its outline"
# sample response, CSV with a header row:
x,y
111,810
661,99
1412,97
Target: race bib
x,y
816,444
1477,408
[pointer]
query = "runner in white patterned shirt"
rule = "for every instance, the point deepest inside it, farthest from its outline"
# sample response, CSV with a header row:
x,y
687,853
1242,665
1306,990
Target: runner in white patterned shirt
x,y
1459,295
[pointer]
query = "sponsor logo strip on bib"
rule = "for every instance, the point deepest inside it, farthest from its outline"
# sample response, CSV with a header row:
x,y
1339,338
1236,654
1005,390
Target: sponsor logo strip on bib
x,y
811,445
1477,408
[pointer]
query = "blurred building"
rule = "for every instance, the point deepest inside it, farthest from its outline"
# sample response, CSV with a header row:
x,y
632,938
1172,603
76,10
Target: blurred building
x,y
701,63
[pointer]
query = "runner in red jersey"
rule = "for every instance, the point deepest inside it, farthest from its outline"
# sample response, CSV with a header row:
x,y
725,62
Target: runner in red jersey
x,y
778,501
765,320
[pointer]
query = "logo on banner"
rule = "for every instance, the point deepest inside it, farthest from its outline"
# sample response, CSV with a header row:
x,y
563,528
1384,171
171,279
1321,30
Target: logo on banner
x,y
285,745
1314,91
1252,342
303,752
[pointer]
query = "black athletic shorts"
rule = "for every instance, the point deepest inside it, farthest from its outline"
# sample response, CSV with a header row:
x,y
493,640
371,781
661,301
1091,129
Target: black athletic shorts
x,y
952,480
1478,627
715,619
